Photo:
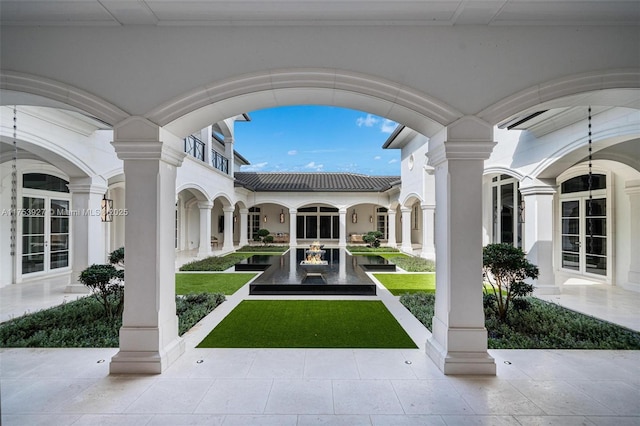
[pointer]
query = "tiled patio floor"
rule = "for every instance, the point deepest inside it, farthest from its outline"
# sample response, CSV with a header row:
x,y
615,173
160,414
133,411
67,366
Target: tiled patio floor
x,y
321,386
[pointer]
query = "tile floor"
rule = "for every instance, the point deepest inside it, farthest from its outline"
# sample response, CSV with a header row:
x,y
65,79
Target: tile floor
x,y
321,386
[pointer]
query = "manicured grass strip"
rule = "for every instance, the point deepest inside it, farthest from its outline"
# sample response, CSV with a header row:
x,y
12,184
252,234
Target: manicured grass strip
x,y
398,284
308,324
211,283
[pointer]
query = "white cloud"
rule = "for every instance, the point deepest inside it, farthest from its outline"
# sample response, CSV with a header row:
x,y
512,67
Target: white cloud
x,y
314,166
254,167
367,121
377,157
388,126
292,152
393,161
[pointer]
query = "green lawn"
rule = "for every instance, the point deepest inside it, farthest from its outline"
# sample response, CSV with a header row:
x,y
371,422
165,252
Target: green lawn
x,y
398,284
211,283
308,324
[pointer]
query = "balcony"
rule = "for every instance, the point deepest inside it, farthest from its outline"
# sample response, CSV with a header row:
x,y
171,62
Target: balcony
x,y
194,147
219,161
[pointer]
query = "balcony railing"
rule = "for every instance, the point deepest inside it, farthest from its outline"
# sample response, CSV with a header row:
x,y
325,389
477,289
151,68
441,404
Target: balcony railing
x,y
194,147
219,161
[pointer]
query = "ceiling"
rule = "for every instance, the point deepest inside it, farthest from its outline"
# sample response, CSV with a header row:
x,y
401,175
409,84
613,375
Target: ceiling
x,y
309,12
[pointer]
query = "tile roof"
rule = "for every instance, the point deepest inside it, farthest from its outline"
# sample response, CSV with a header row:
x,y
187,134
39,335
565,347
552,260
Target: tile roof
x,y
315,182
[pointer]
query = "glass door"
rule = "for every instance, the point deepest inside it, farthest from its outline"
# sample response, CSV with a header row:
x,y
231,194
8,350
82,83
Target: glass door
x,y
45,234
584,235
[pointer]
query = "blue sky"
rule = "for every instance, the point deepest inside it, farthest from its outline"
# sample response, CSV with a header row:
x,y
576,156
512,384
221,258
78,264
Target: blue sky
x,y
316,139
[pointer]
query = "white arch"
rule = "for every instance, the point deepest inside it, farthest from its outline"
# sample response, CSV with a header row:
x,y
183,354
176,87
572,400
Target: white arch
x,y
563,92
323,86
501,170
197,190
48,151
47,89
410,199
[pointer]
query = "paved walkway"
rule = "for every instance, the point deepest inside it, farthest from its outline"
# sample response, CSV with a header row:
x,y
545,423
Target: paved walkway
x,y
319,386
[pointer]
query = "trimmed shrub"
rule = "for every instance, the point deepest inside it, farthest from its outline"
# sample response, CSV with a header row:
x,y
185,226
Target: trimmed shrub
x,y
214,263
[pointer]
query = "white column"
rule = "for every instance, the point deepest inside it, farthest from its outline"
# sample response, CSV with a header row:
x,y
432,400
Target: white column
x,y
228,152
391,223
538,234
149,340
88,233
244,229
342,242
204,250
458,344
293,238
428,238
406,230
227,245
632,188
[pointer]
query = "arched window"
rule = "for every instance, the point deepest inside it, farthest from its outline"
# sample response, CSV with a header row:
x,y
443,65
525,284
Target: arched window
x,y
44,182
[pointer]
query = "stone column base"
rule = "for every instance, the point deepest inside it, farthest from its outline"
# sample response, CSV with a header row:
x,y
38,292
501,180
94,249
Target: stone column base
x,y
460,363
146,362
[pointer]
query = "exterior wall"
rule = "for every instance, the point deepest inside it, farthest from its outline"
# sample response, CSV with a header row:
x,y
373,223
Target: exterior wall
x,y
57,144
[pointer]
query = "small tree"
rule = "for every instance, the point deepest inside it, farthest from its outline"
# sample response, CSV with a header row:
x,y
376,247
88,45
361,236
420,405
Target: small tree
x,y
116,257
107,283
262,235
372,238
505,267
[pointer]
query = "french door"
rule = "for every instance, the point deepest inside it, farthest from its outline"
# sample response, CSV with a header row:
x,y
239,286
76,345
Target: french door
x,y
584,235
45,234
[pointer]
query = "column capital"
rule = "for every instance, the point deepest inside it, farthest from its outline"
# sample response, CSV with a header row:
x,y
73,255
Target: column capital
x,y
632,187
460,150
147,150
244,211
537,190
426,206
205,205
293,211
391,212
404,209
230,209
87,188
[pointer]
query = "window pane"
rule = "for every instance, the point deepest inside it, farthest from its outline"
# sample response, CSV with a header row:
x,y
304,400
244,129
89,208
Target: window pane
x,y
312,226
59,260
597,245
32,263
44,182
325,226
59,225
328,209
571,244
494,204
581,183
570,209
32,244
59,242
32,225
300,226
336,226
596,226
59,208
597,265
597,207
570,226
33,206
570,261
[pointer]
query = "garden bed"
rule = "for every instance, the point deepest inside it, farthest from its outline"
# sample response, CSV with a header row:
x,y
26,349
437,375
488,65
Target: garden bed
x,y
543,326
